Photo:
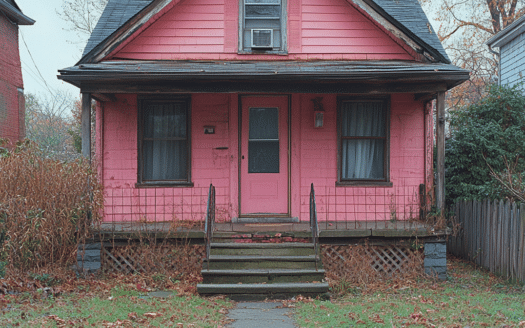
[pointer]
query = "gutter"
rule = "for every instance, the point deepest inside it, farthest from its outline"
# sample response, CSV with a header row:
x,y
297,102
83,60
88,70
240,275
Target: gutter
x,y
498,54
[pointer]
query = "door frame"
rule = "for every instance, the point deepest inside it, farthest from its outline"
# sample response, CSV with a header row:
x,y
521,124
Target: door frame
x,y
289,156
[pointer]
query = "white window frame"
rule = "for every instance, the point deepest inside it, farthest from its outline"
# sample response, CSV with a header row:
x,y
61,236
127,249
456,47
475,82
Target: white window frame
x,y
246,48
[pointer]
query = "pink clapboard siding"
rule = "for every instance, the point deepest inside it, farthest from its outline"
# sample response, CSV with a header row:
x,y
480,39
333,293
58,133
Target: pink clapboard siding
x,y
316,29
313,160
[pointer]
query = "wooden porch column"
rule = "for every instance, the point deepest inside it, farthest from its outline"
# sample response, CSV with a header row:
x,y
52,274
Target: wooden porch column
x,y
440,144
86,125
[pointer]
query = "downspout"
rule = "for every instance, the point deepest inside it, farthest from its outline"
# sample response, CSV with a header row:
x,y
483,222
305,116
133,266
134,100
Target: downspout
x,y
498,54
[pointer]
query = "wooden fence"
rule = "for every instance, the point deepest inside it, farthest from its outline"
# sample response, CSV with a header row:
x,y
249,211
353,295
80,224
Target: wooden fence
x,y
492,235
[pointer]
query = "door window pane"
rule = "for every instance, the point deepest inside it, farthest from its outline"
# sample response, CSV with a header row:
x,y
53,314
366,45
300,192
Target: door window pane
x,y
263,142
263,156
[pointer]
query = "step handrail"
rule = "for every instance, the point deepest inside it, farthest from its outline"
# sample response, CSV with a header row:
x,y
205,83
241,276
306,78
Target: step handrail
x,y
209,224
314,226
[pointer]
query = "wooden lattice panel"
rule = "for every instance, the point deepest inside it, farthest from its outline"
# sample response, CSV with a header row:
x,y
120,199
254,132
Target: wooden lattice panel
x,y
389,259
148,259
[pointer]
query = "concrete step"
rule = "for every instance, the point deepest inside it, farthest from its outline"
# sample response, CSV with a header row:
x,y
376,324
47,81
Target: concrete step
x,y
237,262
269,276
282,290
270,249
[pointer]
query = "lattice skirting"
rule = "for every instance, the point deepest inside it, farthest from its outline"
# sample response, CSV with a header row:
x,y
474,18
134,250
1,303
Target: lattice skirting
x,y
339,260
148,259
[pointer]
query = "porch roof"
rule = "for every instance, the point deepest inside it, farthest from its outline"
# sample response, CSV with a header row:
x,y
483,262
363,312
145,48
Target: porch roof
x,y
264,76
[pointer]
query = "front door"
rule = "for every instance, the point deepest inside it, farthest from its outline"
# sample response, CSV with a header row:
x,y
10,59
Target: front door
x,y
264,156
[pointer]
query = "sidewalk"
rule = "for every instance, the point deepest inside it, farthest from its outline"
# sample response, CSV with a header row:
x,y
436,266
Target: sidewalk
x,y
261,314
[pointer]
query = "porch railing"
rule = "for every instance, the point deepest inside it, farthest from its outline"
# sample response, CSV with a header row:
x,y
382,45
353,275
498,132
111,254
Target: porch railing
x,y
210,222
314,226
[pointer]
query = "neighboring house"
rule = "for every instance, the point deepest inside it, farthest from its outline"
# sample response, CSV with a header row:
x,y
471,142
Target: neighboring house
x,y
262,98
511,43
12,104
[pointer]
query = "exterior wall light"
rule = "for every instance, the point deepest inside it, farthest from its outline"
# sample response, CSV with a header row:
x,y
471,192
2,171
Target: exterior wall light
x,y
318,112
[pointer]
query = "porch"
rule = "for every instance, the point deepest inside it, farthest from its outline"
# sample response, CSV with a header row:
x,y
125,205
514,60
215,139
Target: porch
x,y
334,230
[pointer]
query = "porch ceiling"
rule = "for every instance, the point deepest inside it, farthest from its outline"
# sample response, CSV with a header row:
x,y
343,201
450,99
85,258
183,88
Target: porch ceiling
x,y
264,76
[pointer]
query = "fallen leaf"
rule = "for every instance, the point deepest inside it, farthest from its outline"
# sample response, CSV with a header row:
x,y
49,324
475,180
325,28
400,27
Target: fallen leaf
x,y
152,314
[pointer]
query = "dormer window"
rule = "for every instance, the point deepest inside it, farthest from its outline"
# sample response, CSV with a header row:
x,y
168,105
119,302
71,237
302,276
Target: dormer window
x,y
262,26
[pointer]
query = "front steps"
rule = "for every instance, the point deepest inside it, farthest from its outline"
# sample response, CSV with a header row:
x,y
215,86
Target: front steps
x,y
255,271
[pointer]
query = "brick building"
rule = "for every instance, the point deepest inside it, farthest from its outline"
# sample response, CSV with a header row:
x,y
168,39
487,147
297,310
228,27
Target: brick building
x,y
11,84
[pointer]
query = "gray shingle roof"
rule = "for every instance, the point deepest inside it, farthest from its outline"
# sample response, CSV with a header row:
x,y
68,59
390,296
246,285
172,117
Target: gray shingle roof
x,y
411,15
116,13
407,12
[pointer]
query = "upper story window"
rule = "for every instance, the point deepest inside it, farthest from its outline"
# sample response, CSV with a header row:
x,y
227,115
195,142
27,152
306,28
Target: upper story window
x,y
262,26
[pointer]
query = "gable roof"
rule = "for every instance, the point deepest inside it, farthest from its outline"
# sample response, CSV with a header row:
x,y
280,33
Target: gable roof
x,y
507,34
13,12
407,15
116,13
411,15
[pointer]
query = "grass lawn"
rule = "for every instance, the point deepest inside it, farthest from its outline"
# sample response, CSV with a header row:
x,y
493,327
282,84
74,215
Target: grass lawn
x,y
469,298
118,307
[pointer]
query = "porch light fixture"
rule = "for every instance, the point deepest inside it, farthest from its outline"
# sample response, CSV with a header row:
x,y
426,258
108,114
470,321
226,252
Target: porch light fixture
x,y
318,112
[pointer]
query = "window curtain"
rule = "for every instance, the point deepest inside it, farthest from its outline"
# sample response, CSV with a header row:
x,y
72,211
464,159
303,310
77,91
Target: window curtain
x,y
362,155
165,144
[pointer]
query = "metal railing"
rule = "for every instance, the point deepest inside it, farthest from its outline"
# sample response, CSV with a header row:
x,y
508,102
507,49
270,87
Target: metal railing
x,y
314,226
210,222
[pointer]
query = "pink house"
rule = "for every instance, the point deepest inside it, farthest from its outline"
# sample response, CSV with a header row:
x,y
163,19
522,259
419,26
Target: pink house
x,y
262,99
12,104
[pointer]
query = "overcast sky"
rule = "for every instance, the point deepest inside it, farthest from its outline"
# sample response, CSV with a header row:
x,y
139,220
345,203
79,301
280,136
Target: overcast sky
x,y
46,42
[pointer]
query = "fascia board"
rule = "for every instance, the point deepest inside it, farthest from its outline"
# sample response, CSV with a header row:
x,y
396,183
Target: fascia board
x,y
390,24
104,48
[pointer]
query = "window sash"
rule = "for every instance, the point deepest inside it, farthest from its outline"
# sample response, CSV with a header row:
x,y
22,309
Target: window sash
x,y
254,17
165,142
363,140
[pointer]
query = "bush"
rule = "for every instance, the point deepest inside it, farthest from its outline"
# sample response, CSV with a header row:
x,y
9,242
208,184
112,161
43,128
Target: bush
x,y
485,135
46,207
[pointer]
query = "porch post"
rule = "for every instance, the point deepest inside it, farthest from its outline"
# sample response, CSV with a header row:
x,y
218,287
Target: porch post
x,y
440,144
86,125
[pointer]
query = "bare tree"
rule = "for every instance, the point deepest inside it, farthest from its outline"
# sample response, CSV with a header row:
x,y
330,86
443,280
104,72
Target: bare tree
x,y
48,120
81,17
464,26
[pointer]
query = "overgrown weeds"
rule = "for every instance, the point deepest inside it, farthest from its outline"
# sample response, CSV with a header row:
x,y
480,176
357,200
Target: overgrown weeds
x,y
46,207
167,261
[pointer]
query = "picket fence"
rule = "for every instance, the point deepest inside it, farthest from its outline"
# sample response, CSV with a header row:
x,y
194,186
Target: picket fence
x,y
492,235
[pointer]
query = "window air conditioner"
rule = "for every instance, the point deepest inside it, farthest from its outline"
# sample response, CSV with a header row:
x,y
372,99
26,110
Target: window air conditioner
x,y
262,38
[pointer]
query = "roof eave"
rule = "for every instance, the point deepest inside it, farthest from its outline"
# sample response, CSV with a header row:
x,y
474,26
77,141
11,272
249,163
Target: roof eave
x,y
507,34
80,76
15,14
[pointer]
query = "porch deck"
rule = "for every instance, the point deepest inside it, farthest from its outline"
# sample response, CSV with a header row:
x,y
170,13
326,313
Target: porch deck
x,y
328,230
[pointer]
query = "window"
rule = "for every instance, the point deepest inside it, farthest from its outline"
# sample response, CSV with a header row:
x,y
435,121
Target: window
x,y
262,26
263,142
363,143
164,142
